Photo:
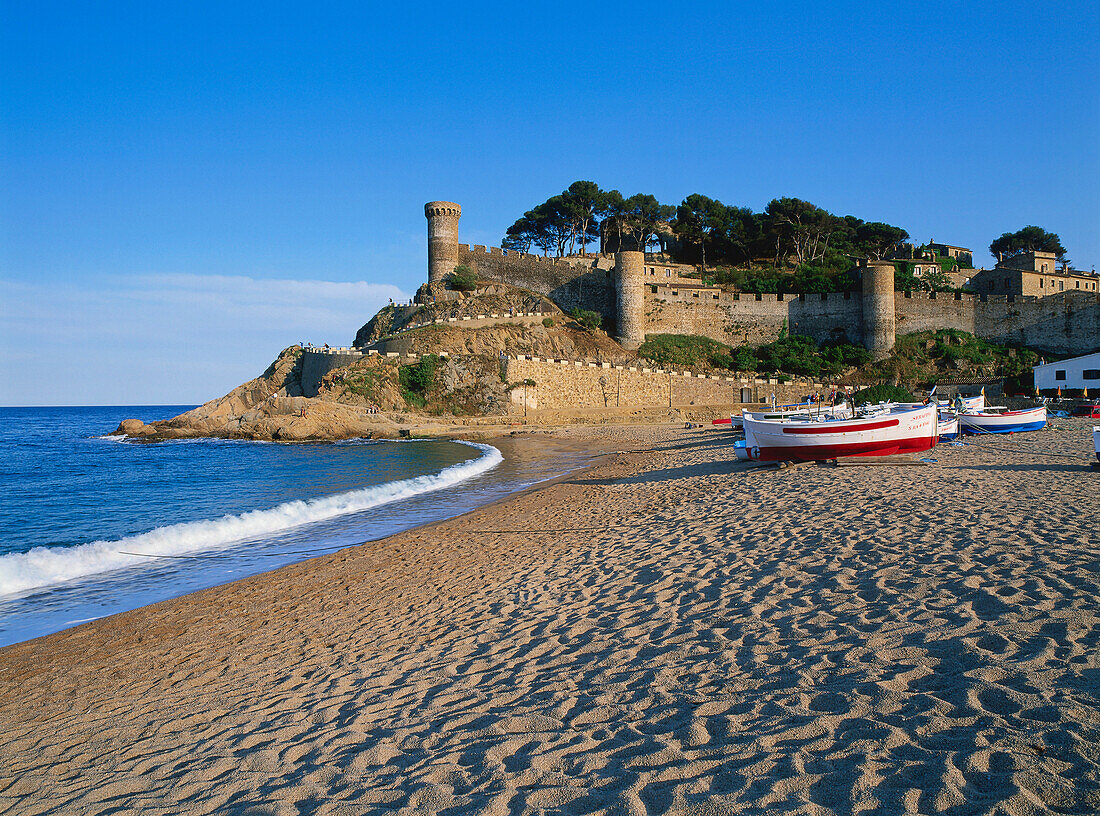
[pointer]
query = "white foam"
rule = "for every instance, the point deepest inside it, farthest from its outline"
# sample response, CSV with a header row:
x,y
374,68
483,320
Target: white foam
x,y
45,566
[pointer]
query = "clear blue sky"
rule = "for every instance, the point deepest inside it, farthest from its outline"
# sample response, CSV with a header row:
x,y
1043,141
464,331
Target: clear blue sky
x,y
187,189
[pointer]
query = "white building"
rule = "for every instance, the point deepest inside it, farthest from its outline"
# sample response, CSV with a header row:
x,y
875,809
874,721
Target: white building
x,y
1073,374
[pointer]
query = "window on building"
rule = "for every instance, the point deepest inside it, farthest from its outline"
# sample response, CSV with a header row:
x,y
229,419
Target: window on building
x,y
668,273
1040,283
1078,286
746,395
1044,267
1059,374
1090,374
1061,286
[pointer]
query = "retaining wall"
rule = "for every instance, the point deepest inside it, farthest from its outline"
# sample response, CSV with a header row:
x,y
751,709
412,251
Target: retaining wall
x,y
316,363
571,384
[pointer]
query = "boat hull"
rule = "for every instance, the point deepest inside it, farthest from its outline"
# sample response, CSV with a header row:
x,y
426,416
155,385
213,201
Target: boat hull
x,y
948,428
909,431
838,411
1096,441
1032,419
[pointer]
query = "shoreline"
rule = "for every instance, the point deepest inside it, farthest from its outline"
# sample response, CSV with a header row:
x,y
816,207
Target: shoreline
x,y
663,630
529,461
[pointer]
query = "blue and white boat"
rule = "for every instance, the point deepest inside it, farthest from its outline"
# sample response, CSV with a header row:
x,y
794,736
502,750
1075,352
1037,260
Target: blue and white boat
x,y
948,425
1096,440
1001,420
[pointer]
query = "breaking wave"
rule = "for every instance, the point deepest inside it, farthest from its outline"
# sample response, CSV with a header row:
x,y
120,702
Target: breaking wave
x,y
42,567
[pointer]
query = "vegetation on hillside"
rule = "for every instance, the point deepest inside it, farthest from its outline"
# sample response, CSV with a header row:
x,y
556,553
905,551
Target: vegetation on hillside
x,y
792,245
462,279
789,231
795,355
588,319
417,379
919,360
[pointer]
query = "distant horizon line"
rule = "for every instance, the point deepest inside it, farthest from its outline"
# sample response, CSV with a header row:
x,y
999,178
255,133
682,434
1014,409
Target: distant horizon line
x,y
111,405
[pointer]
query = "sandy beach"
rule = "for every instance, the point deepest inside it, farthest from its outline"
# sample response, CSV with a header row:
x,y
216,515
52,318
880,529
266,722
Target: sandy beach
x,y
666,632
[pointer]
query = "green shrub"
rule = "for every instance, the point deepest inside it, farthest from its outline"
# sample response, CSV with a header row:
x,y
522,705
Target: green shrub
x,y
882,393
548,322
684,351
463,279
588,319
417,379
790,354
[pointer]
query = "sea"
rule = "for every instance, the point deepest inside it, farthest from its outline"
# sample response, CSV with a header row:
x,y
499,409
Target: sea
x,y
92,524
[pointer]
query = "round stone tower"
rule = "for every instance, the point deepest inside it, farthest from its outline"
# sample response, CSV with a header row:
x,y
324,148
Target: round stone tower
x,y
629,276
442,238
878,308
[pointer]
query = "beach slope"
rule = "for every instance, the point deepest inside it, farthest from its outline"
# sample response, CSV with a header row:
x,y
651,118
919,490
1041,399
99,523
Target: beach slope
x,y
669,632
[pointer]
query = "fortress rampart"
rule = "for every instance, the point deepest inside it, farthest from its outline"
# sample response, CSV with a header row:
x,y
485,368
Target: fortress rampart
x,y
1062,324
562,385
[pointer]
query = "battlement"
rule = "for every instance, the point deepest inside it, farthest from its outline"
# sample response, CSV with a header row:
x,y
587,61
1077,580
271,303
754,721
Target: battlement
x,y
652,294
442,209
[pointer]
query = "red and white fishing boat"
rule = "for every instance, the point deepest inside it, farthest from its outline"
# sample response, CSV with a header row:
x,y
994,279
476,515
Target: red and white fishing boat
x,y
800,409
890,430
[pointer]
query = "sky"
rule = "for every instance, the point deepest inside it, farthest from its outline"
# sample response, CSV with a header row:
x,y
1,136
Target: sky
x,y
187,189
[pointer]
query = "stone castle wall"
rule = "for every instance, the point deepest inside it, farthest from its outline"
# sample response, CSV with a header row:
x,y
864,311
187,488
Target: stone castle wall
x,y
740,318
582,283
1061,324
571,385
1065,324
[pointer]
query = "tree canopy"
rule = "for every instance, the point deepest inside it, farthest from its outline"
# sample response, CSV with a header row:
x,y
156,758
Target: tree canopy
x,y
1028,239
704,230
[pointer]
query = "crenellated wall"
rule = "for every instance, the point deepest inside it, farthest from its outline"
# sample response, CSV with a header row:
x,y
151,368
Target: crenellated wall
x,y
1065,324
741,318
1062,324
581,385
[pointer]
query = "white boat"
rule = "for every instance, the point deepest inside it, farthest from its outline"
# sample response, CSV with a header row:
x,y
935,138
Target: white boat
x,y
998,419
838,411
881,432
969,403
947,425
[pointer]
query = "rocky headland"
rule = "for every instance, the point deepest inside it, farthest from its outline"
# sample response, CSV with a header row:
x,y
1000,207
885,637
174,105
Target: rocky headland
x,y
457,383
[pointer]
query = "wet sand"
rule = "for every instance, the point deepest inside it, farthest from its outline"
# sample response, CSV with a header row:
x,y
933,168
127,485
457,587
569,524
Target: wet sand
x,y
668,632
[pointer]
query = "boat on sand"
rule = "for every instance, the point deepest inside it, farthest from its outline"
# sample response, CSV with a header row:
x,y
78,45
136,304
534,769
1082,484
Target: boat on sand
x,y
948,426
882,432
997,419
839,410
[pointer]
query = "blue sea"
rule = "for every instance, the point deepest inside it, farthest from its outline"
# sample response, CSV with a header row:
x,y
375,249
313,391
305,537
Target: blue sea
x,y
92,524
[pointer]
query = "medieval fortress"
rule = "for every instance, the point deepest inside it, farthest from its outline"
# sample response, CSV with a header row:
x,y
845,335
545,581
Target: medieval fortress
x,y
641,294
1021,302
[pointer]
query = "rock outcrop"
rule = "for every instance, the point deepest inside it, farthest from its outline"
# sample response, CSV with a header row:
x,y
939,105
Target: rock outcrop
x,y
270,407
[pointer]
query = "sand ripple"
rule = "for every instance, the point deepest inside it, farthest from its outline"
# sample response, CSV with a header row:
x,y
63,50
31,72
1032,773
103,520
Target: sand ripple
x,y
694,638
